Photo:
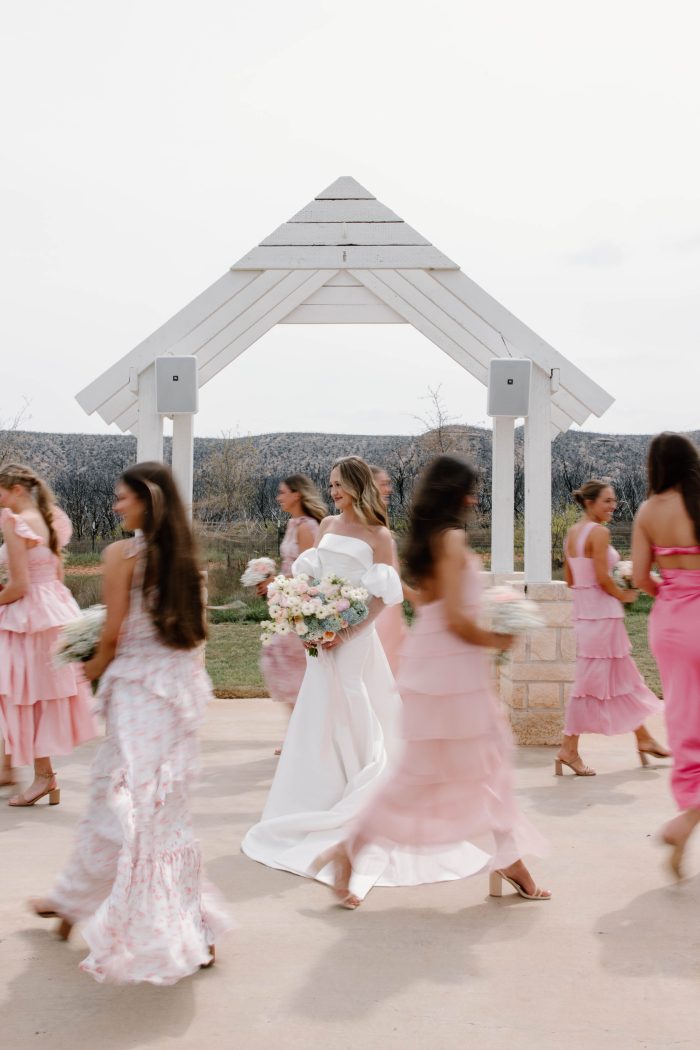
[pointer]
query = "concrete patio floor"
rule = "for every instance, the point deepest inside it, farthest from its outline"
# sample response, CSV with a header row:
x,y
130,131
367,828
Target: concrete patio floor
x,y
611,963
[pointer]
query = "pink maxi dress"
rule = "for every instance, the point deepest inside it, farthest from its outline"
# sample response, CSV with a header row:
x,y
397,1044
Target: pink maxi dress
x,y
453,785
44,710
674,638
136,870
283,661
609,694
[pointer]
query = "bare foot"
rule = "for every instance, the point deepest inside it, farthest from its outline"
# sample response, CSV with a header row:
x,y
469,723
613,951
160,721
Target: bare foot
x,y
342,871
676,834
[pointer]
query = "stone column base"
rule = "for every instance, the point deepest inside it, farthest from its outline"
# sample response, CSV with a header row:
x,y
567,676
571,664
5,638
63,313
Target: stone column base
x,y
535,681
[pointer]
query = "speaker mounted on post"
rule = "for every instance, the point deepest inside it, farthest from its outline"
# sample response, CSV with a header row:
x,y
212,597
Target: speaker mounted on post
x,y
509,387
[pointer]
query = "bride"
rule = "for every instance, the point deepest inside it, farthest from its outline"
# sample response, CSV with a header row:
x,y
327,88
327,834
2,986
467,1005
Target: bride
x,y
345,722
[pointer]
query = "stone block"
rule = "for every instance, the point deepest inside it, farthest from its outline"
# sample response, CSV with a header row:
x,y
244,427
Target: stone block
x,y
514,694
544,694
556,591
518,653
543,644
567,645
543,671
555,614
537,729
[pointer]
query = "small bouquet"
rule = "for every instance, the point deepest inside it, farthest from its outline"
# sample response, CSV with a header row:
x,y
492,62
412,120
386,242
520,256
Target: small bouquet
x,y
78,639
257,571
510,612
314,610
622,575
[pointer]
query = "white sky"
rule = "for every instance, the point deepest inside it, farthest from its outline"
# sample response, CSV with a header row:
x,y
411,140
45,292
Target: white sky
x,y
552,149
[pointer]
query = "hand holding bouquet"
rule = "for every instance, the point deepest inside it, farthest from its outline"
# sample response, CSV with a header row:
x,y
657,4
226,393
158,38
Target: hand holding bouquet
x,y
257,571
78,639
623,576
510,612
315,610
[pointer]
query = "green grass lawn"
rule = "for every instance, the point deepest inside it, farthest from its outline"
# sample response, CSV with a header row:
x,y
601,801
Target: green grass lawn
x,y
233,651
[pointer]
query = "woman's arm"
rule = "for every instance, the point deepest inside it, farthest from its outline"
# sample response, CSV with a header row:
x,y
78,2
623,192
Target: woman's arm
x,y
642,556
17,565
600,541
305,537
116,585
449,570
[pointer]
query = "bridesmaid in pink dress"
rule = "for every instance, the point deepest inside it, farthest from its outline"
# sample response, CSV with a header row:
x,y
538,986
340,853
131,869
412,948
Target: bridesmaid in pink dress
x,y
391,623
667,531
283,662
608,695
453,782
44,710
135,876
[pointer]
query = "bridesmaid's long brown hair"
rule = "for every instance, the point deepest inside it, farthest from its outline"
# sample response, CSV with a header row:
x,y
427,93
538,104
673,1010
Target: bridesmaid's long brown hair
x,y
438,505
674,462
172,583
19,474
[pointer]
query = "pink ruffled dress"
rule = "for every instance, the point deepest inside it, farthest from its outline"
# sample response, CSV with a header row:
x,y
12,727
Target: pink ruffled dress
x,y
283,661
453,786
136,871
609,694
391,629
44,710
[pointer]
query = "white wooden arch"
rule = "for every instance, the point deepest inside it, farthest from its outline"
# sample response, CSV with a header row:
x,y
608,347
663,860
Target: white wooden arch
x,y
347,259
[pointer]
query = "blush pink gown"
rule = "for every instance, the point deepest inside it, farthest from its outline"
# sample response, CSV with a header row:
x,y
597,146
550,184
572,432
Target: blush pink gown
x,y
283,661
674,638
453,785
609,694
135,876
44,710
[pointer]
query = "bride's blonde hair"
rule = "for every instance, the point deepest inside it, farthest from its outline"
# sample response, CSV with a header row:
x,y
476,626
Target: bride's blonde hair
x,y
17,474
357,480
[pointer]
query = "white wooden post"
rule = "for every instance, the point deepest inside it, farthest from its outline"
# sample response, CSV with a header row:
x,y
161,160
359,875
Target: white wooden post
x,y
502,494
183,457
150,424
538,480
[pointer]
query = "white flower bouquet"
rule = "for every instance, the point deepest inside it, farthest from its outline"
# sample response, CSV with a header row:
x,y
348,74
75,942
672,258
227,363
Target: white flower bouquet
x,y
257,570
510,612
314,610
78,639
623,576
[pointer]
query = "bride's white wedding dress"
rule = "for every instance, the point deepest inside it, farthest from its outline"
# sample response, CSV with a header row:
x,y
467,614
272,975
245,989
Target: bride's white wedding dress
x,y
342,732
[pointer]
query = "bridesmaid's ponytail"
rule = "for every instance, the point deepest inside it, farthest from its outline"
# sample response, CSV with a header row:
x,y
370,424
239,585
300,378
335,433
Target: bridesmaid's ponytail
x,y
17,474
674,462
589,492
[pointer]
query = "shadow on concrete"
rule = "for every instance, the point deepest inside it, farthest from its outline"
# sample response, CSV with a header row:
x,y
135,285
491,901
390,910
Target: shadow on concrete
x,y
380,954
654,934
53,999
568,795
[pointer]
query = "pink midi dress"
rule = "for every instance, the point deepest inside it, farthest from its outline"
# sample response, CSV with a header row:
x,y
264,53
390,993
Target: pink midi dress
x,y
609,694
283,661
674,639
44,710
135,876
453,784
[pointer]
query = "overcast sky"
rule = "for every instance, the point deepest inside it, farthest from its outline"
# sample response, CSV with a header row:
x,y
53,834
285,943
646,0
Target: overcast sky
x,y
552,149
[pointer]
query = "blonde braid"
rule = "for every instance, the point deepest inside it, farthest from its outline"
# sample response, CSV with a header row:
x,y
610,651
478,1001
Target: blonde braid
x,y
18,474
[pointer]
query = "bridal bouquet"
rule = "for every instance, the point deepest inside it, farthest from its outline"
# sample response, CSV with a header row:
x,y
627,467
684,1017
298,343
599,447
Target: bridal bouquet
x,y
510,612
257,570
314,610
78,639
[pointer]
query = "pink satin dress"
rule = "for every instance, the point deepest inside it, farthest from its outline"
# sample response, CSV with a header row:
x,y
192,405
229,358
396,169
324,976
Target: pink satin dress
x,y
283,661
44,710
674,639
450,800
609,694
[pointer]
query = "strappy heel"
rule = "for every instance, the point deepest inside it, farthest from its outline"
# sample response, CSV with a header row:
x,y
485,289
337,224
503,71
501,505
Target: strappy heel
x,y
653,750
65,926
584,771
497,878
53,791
342,869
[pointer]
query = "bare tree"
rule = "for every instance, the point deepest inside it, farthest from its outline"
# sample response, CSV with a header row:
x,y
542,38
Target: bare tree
x,y
9,428
227,482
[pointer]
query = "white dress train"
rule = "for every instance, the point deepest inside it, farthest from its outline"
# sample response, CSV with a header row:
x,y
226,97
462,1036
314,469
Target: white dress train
x,y
342,734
